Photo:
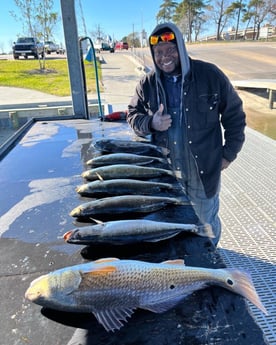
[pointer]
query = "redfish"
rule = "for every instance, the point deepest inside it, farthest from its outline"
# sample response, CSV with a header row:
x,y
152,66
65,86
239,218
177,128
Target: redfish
x,y
112,289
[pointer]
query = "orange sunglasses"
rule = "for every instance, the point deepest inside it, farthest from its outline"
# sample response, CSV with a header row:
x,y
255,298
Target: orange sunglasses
x,y
165,37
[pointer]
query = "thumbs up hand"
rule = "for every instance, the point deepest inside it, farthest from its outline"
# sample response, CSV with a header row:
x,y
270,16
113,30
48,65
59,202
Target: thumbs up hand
x,y
161,122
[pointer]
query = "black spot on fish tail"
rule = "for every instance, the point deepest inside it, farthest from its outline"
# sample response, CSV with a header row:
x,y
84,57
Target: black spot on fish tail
x,y
229,281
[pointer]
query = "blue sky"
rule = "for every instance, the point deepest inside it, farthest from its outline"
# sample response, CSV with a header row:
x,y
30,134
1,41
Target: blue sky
x,y
115,18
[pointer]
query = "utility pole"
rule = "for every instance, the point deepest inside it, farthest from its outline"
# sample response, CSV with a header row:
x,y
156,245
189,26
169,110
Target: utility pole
x,y
142,30
133,36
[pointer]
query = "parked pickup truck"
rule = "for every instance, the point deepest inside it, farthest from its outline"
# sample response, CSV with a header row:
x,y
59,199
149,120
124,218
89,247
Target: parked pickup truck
x,y
27,46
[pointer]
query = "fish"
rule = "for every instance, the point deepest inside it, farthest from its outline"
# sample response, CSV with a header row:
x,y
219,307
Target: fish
x,y
125,204
132,231
123,158
129,146
121,187
124,171
112,289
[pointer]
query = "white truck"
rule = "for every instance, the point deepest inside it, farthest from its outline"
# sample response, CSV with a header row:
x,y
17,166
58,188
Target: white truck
x,y
104,44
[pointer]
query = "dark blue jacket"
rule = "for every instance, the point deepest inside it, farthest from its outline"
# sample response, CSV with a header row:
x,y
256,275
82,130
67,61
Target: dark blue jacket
x,y
212,119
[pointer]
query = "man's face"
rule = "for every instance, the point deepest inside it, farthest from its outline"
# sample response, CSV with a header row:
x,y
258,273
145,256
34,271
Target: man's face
x,y
166,57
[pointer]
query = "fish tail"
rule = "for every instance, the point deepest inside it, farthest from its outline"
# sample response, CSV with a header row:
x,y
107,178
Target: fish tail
x,y
241,283
205,230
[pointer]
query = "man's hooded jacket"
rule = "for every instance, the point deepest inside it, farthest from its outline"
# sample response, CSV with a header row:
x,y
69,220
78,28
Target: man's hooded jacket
x,y
212,120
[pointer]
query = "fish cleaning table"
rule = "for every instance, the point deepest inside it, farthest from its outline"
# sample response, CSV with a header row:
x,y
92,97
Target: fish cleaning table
x,y
38,178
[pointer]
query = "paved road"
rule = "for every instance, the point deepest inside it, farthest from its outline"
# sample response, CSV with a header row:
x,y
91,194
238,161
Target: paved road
x,y
239,60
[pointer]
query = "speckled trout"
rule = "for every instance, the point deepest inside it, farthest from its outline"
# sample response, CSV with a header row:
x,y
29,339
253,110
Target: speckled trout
x,y
125,204
123,158
122,187
129,146
112,289
132,231
124,171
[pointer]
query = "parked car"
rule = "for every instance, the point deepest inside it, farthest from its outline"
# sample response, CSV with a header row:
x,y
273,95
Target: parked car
x,y
112,47
51,47
121,45
27,46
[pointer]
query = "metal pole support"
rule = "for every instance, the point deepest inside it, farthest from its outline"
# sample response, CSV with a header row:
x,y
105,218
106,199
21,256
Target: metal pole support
x,y
270,98
96,73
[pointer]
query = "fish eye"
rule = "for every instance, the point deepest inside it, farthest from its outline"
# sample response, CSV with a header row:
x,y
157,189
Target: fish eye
x,y
230,282
172,287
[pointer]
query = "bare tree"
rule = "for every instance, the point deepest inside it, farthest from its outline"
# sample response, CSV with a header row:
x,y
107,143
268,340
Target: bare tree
x,y
188,16
273,9
218,11
98,33
199,22
37,18
2,47
235,9
259,11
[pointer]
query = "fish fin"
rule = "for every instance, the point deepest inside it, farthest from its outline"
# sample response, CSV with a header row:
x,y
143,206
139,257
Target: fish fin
x,y
100,261
174,262
99,176
98,271
89,162
161,307
96,220
163,237
145,162
241,283
111,319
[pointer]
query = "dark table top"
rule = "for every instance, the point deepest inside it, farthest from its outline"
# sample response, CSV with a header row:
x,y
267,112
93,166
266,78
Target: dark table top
x,y
38,179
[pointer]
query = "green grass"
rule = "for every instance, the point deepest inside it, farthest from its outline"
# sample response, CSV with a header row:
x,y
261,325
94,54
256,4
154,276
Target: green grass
x,y
53,80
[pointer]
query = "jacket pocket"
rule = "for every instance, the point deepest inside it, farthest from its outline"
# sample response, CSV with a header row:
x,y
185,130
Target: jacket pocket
x,y
208,105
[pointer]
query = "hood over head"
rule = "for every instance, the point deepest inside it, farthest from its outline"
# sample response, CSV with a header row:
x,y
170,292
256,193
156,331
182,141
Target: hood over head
x,y
179,41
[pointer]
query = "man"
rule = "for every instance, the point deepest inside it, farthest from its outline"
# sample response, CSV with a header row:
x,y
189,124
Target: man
x,y
185,105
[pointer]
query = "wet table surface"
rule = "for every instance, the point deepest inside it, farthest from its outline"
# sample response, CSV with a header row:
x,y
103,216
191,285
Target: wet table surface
x,y
38,178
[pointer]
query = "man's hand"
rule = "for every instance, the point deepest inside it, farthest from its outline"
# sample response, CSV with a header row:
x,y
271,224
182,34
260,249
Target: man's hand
x,y
161,122
224,164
